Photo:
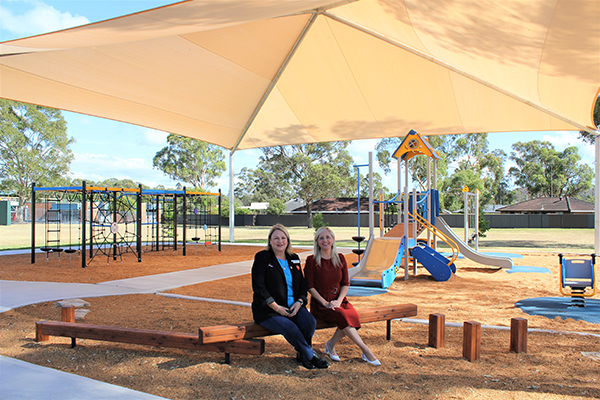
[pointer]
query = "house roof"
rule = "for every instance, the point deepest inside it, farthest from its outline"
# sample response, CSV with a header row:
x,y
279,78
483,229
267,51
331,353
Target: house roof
x,y
548,205
341,204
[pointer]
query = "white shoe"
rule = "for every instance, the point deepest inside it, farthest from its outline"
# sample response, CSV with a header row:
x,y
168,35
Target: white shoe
x,y
375,362
328,352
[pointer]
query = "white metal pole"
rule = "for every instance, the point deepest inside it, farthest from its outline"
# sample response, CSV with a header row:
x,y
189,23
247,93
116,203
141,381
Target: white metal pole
x,y
466,216
371,210
231,200
429,201
414,225
597,201
381,214
476,219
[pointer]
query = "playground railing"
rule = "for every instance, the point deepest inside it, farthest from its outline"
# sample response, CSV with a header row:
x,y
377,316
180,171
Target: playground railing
x,y
439,233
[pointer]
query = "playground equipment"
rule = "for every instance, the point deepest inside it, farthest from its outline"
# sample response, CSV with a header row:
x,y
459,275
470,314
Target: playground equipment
x,y
112,219
576,276
380,261
418,212
469,252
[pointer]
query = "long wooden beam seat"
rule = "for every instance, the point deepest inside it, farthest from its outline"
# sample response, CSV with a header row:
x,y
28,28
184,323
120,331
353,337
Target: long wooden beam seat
x,y
180,340
227,333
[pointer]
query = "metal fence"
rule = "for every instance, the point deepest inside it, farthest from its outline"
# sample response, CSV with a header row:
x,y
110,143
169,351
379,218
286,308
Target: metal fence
x,y
454,220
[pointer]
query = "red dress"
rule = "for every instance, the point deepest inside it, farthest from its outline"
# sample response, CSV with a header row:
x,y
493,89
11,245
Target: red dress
x,y
328,279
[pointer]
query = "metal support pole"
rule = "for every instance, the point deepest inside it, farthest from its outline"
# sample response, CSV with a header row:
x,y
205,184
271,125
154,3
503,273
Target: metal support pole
x,y
33,223
597,201
175,222
139,223
406,241
476,219
115,222
184,220
83,219
371,209
231,201
219,220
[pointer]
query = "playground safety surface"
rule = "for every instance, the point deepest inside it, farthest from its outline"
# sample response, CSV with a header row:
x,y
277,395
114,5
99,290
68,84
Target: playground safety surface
x,y
556,366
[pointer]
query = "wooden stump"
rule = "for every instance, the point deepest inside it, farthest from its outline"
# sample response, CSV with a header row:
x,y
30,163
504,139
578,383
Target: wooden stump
x,y
68,314
518,335
471,340
437,326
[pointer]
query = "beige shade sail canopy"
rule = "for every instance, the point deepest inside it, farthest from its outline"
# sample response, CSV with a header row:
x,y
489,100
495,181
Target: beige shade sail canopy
x,y
253,73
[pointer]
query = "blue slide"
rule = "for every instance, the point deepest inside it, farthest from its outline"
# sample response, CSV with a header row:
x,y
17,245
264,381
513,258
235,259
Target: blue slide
x,y
434,262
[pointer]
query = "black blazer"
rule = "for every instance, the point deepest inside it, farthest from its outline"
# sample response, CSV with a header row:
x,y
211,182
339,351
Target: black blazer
x,y
268,284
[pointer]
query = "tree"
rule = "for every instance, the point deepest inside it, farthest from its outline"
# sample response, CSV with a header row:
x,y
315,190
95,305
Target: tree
x,y
543,171
34,148
276,207
313,170
586,136
191,161
259,185
377,185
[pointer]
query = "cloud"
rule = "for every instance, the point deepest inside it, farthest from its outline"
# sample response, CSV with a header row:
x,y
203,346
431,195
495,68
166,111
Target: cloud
x,y
153,137
563,139
37,18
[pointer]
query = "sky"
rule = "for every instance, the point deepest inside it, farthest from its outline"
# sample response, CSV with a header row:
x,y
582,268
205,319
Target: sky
x,y
109,149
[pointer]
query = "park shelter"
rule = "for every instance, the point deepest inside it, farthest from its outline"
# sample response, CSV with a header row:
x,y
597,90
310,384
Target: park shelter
x,y
254,73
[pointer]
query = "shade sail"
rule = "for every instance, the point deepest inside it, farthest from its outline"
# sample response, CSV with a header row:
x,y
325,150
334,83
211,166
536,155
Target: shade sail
x,y
251,73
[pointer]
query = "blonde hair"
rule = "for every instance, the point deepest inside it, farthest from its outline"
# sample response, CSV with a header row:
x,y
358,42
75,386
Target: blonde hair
x,y
279,227
335,257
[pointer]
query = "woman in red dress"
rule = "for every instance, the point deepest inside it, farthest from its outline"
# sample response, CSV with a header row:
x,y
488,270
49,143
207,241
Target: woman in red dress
x,y
327,275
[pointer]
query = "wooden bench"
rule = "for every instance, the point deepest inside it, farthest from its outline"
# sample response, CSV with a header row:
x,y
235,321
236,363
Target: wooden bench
x,y
247,331
227,339
179,340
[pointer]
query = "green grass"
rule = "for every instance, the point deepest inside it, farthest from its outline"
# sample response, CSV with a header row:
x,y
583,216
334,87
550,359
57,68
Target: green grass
x,y
18,236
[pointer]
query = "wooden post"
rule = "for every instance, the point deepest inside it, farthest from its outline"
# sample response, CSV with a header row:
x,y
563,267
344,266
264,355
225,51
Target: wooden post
x,y
471,340
437,325
39,336
68,314
518,335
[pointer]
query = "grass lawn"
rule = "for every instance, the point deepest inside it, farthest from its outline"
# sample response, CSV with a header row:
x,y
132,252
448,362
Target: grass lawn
x,y
18,236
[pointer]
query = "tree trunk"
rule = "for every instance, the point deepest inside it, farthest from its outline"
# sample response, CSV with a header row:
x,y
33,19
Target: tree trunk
x,y
309,214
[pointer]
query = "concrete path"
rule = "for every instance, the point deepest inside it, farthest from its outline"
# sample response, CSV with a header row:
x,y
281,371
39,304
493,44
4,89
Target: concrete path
x,y
18,293
22,380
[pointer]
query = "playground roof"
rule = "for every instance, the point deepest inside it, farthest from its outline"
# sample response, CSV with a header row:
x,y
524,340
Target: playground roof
x,y
254,73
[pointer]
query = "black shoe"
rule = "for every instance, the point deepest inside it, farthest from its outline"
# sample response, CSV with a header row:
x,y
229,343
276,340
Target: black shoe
x,y
319,362
305,363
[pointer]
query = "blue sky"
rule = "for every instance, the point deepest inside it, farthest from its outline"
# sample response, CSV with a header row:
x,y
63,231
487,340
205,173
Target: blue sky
x,y
107,149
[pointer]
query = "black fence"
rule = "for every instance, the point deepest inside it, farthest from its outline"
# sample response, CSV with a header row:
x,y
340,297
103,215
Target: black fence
x,y
454,220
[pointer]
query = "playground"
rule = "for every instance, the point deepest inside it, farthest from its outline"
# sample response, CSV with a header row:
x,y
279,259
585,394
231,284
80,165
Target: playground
x,y
559,364
480,288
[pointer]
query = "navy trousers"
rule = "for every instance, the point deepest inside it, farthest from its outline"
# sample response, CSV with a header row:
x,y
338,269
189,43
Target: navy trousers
x,y
297,330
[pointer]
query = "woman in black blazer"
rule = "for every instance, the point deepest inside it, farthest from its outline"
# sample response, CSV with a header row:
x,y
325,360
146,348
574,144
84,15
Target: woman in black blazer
x,y
279,300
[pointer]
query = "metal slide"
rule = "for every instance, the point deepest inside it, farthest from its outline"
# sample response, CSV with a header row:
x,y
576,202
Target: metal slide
x,y
481,258
378,264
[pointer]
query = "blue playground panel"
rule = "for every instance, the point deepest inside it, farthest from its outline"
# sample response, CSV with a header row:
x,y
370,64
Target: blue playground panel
x,y
434,262
552,307
523,268
361,291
